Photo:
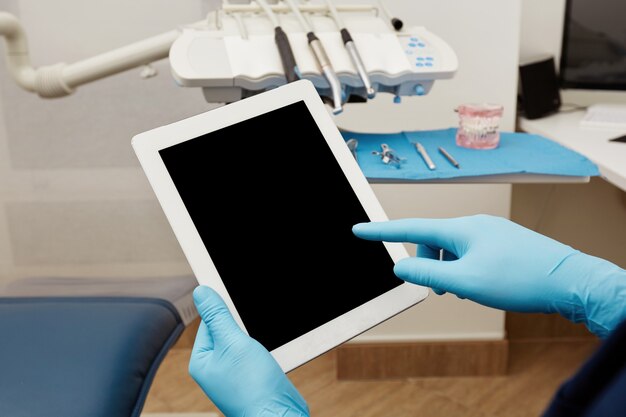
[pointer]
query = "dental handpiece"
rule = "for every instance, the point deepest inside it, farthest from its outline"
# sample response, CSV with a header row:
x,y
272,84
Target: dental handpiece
x,y
358,63
290,67
322,59
352,50
327,70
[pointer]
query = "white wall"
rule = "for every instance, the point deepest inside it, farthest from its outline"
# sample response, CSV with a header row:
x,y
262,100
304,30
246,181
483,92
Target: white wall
x,y
541,34
74,202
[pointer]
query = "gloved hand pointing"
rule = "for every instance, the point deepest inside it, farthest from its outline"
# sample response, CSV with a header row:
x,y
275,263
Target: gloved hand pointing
x,y
500,264
235,371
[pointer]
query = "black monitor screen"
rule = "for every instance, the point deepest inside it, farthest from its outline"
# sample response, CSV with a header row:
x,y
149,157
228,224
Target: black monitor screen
x,y
594,45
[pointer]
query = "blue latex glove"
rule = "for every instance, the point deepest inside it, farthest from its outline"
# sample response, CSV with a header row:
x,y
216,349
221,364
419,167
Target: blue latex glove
x,y
235,371
498,263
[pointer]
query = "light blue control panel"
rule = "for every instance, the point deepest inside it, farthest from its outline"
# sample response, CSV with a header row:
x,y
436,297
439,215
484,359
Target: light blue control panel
x,y
420,54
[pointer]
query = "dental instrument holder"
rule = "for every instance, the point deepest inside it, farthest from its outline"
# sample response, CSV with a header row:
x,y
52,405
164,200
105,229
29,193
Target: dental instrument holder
x,y
218,54
233,62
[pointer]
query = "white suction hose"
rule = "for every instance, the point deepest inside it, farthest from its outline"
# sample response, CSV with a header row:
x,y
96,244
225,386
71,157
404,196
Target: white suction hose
x,y
62,79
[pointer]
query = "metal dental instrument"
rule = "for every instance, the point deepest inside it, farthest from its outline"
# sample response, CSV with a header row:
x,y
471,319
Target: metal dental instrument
x,y
352,145
422,151
322,59
388,155
290,67
449,157
352,50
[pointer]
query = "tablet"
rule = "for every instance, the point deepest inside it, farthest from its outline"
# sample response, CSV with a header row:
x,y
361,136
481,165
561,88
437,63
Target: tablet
x,y
262,195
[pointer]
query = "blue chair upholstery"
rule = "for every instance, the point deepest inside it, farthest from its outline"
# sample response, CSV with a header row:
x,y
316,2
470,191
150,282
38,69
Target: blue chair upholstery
x,y
82,357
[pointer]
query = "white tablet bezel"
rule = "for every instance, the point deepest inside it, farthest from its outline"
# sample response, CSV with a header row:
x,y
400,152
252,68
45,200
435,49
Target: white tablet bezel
x,y
331,334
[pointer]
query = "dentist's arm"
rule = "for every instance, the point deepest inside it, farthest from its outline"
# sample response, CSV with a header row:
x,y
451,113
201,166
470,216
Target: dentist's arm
x,y
500,264
235,371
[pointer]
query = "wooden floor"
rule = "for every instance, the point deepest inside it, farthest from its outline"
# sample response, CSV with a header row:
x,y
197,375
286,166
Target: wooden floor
x,y
536,369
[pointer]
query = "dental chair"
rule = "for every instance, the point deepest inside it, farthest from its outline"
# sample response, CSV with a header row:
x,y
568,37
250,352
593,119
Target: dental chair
x,y
87,347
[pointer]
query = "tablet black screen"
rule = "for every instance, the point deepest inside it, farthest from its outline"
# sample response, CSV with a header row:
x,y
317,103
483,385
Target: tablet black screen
x,y
275,213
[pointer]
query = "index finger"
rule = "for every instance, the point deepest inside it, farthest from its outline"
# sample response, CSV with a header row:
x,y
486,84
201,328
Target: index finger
x,y
441,233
